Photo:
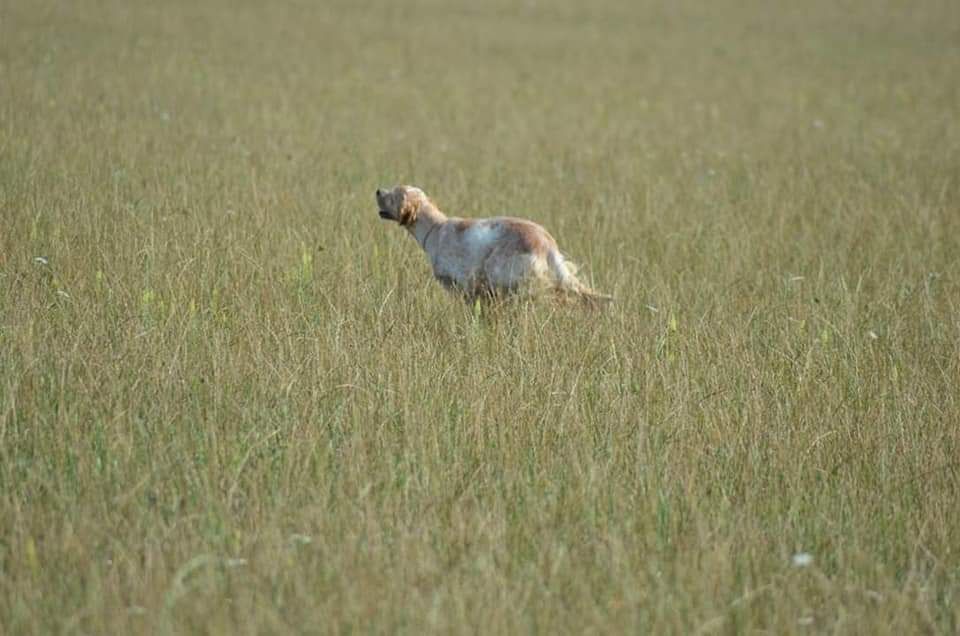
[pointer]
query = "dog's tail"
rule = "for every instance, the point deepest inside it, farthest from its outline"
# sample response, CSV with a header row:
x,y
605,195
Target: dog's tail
x,y
568,285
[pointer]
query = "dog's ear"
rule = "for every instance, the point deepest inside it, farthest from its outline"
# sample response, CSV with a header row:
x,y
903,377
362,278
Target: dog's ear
x,y
409,208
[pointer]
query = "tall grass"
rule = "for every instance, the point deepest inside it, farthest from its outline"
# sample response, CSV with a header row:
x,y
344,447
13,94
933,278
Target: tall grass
x,y
233,401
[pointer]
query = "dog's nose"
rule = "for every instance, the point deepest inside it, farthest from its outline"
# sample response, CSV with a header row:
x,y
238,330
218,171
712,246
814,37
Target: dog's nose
x,y
379,192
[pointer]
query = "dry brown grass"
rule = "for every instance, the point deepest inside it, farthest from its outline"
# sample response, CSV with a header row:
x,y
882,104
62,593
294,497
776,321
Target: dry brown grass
x,y
233,401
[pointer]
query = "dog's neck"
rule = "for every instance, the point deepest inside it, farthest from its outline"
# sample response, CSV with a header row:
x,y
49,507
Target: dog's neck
x,y
429,218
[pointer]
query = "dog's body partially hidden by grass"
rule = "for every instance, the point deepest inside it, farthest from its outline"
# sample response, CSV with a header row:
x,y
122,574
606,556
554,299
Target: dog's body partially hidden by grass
x,y
485,258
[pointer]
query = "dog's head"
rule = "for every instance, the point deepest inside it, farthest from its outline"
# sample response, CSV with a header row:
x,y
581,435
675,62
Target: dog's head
x,y
400,204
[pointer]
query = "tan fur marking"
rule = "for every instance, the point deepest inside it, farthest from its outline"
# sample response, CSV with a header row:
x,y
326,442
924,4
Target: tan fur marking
x,y
530,237
409,209
462,225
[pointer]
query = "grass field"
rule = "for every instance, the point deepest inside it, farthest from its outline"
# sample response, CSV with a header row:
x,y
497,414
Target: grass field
x,y
232,400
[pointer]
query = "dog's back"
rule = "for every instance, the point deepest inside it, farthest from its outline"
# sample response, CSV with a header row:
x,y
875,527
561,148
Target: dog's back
x,y
505,254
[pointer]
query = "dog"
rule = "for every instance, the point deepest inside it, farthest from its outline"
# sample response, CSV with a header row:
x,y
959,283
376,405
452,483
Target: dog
x,y
485,258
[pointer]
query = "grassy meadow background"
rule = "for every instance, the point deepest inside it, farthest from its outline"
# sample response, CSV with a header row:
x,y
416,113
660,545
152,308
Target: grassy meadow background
x,y
232,400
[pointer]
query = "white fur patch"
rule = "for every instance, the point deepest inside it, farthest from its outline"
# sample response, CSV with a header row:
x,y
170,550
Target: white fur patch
x,y
481,236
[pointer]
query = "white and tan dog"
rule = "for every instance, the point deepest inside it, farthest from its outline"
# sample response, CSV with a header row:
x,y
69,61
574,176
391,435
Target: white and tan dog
x,y
484,258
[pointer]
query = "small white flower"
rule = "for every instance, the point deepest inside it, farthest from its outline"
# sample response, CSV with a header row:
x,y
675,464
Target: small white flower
x,y
234,563
652,308
801,559
818,124
873,335
794,279
300,539
63,294
41,260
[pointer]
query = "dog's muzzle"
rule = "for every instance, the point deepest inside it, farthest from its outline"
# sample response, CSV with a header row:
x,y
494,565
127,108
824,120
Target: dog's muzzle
x,y
383,213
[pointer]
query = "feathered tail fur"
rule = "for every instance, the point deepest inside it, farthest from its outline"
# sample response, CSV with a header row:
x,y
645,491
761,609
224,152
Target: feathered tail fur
x,y
568,285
